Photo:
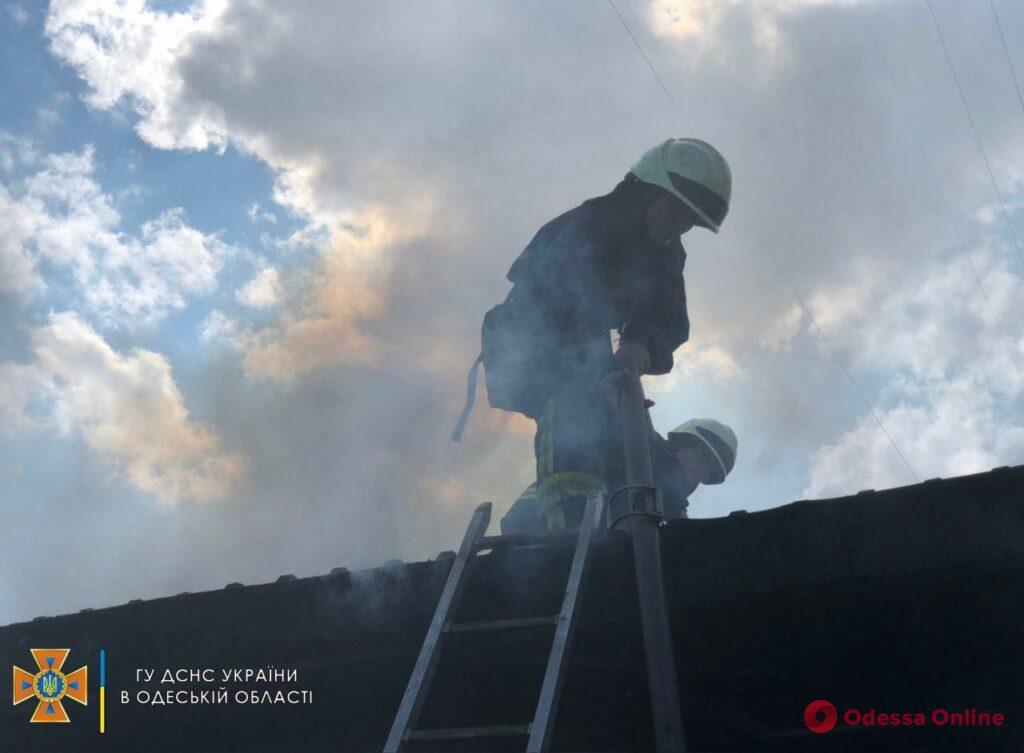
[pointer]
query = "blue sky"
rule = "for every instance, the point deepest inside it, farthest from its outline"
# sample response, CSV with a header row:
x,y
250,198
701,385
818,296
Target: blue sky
x,y
246,251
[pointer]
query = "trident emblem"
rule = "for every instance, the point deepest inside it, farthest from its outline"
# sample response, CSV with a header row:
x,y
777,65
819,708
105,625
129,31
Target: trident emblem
x,y
50,686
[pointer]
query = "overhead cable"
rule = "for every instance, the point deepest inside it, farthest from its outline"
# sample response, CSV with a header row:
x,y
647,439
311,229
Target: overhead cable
x,y
948,210
778,270
974,130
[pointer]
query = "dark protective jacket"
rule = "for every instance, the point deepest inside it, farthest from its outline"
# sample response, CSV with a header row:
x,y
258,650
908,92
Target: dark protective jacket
x,y
594,268
588,271
669,478
668,475
525,517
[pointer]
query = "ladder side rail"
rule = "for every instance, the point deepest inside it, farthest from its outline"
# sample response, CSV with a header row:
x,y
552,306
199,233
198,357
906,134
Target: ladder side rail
x,y
426,663
554,675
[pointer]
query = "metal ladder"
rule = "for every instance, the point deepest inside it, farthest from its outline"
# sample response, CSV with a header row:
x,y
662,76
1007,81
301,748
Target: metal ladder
x,y
538,732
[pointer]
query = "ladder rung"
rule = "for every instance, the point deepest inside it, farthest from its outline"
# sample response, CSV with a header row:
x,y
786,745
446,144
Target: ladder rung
x,y
523,540
453,733
538,731
461,627
515,539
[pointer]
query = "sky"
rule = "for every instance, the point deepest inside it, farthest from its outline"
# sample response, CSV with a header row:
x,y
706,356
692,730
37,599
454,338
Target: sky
x,y
246,248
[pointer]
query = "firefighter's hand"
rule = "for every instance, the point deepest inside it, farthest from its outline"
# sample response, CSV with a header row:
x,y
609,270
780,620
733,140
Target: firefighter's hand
x,y
634,356
613,386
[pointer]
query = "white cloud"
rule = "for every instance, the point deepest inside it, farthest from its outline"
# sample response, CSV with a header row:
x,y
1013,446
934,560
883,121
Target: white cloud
x,y
932,320
698,21
125,49
779,333
495,124
955,408
47,117
17,266
57,212
830,181
126,408
15,150
219,328
945,428
18,13
329,327
262,291
256,213
708,364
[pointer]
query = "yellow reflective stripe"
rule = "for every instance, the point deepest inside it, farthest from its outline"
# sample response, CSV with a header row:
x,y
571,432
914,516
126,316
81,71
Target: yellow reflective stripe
x,y
558,486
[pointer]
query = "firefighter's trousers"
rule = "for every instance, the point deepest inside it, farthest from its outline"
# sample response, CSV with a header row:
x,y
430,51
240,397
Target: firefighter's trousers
x,y
572,438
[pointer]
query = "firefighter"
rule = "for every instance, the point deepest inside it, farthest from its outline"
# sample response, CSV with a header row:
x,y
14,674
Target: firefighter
x,y
615,262
699,451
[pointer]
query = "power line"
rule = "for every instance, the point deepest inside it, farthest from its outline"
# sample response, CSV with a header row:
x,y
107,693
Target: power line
x,y
974,130
849,377
1006,51
957,230
778,270
650,65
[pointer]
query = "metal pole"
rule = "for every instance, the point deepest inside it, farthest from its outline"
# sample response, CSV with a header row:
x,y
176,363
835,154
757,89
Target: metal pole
x,y
643,529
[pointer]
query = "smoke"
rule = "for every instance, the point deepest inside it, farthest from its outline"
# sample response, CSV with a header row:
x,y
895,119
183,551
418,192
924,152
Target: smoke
x,y
422,149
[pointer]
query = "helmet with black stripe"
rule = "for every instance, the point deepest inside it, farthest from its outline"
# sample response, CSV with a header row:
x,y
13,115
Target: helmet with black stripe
x,y
694,172
716,437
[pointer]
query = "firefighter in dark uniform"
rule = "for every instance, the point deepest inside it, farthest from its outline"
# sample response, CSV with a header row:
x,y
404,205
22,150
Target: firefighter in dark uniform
x,y
700,451
614,262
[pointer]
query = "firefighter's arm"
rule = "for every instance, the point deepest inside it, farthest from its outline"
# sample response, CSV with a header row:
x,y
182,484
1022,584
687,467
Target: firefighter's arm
x,y
659,318
634,355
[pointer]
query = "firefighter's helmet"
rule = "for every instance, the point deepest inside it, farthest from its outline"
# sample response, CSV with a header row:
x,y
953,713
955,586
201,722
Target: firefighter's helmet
x,y
717,437
694,172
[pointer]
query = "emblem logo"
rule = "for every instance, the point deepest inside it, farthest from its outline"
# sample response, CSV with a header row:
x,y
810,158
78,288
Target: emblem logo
x,y
50,685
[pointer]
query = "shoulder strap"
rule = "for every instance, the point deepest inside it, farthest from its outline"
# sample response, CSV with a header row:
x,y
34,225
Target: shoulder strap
x,y
470,398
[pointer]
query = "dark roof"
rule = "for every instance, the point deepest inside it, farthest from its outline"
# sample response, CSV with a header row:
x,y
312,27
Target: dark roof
x,y
900,600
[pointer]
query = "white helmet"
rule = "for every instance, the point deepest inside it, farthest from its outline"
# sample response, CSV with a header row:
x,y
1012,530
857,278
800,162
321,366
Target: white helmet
x,y
694,172
714,435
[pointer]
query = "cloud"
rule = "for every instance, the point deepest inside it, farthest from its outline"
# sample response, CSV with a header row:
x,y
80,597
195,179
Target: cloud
x,y
779,333
257,214
126,408
125,49
18,13
262,291
56,212
345,294
421,156
941,324
15,150
699,21
947,428
219,328
353,135
958,348
711,364
17,266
